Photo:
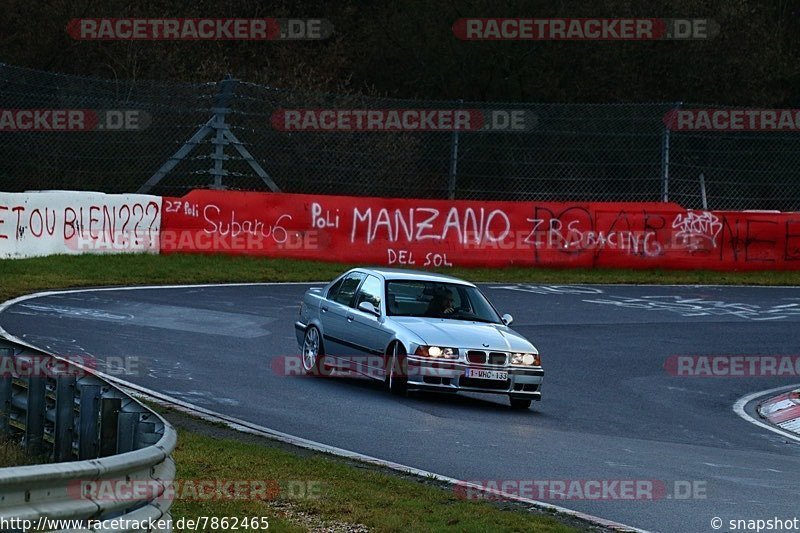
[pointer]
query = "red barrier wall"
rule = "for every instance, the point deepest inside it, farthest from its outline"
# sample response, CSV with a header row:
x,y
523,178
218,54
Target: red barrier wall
x,y
425,233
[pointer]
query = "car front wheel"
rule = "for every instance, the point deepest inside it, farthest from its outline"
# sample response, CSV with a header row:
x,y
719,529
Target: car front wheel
x,y
397,370
313,352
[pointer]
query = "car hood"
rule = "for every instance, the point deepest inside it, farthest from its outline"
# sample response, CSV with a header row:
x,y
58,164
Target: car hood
x,y
465,334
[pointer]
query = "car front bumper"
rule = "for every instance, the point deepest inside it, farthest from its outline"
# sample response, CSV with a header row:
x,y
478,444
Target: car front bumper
x,y
450,376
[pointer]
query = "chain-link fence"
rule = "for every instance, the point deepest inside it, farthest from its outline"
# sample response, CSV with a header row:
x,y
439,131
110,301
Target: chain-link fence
x,y
565,152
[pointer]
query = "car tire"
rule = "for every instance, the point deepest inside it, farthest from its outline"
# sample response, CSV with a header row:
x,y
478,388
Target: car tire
x,y
313,356
397,370
520,403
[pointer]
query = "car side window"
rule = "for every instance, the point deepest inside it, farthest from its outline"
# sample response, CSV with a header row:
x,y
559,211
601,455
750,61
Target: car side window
x,y
335,289
370,292
348,288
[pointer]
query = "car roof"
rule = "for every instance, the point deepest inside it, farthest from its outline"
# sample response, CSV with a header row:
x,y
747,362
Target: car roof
x,y
391,274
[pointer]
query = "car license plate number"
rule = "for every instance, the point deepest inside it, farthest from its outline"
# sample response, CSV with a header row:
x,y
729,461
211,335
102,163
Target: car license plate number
x,y
478,373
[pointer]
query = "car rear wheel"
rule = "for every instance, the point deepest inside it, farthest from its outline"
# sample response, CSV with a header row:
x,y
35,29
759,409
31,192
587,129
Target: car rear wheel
x,y
520,403
313,352
397,370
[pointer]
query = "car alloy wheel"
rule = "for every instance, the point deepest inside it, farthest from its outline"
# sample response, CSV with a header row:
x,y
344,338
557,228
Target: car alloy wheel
x,y
312,350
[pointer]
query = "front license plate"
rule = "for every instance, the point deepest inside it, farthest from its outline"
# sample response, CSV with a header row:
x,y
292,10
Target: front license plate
x,y
478,373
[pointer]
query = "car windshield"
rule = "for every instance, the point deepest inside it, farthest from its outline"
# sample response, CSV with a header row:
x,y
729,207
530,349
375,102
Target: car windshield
x,y
438,299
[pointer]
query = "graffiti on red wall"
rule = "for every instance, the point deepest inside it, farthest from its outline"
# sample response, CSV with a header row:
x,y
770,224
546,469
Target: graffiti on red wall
x,y
427,233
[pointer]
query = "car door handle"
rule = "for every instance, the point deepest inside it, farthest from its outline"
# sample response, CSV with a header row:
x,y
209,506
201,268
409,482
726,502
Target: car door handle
x,y
350,318
324,308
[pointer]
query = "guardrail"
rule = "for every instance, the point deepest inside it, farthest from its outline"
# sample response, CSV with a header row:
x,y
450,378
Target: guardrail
x,y
93,432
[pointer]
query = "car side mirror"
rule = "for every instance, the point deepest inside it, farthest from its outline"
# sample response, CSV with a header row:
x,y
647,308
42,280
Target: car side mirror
x,y
507,319
367,307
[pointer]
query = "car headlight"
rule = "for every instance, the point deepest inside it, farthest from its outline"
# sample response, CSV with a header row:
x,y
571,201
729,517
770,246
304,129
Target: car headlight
x,y
526,359
437,352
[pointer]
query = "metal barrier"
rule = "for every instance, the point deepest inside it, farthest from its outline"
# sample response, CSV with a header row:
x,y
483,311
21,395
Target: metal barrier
x,y
94,433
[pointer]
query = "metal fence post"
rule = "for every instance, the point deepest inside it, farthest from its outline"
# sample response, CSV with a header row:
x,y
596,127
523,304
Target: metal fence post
x,y
63,427
665,158
703,190
451,182
35,415
126,431
109,420
220,110
88,446
665,164
6,378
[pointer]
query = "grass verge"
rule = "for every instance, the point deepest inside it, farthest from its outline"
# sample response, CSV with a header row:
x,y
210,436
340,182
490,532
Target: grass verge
x,y
21,276
346,496
13,454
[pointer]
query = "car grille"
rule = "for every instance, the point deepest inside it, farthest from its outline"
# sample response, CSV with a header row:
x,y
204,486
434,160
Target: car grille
x,y
497,358
479,357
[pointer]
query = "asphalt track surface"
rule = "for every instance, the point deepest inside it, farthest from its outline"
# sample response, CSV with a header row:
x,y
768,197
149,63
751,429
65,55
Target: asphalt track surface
x,y
610,410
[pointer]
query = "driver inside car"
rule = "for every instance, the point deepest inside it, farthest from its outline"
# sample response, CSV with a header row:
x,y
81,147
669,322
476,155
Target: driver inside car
x,y
441,304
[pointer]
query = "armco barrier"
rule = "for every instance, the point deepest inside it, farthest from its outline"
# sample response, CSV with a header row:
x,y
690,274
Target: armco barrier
x,y
441,233
92,430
